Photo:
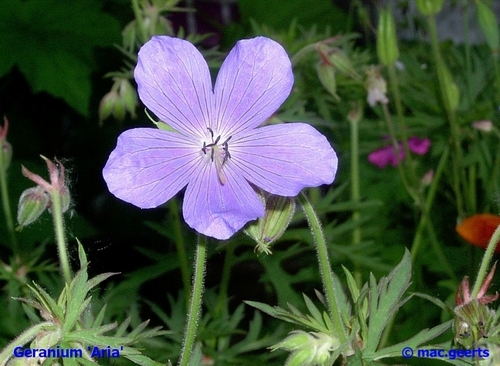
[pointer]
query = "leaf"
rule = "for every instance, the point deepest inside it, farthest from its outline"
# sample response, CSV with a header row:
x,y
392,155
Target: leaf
x,y
416,341
52,42
384,301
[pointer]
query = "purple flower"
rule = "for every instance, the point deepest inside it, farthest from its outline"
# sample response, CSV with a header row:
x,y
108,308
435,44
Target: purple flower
x,y
216,149
385,155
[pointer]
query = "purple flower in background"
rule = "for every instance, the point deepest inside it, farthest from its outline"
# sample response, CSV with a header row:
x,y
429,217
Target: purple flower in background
x,y
216,149
386,155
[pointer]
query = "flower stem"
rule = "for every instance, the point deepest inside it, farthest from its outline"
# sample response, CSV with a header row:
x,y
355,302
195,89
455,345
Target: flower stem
x,y
226,274
6,205
180,247
459,180
325,268
355,191
486,262
395,143
195,303
62,245
393,80
428,203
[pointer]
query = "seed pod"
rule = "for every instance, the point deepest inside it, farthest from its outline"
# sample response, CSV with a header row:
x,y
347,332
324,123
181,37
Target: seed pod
x,y
278,214
488,23
32,203
387,46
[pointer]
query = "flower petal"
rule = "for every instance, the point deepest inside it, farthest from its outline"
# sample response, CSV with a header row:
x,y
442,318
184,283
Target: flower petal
x,y
218,210
419,146
149,166
385,155
174,82
254,80
283,159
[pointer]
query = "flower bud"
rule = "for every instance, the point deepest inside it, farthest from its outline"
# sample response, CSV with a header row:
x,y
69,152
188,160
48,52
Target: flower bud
x,y
33,202
296,340
107,105
489,26
308,348
326,74
387,46
342,63
5,147
301,358
279,211
451,89
128,95
430,7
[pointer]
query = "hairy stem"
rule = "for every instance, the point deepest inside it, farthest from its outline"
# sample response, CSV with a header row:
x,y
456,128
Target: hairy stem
x,y
196,300
325,267
62,245
6,205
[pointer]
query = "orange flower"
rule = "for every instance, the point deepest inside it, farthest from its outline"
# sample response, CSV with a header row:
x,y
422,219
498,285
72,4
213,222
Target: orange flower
x,y
478,229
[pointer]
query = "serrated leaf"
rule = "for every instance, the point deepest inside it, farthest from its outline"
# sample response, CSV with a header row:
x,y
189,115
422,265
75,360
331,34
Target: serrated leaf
x,y
414,342
385,300
55,51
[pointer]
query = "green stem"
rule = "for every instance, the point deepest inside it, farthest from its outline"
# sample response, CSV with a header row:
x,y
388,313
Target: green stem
x,y
458,171
468,68
428,203
6,204
393,80
355,192
496,67
226,275
62,246
395,144
196,299
181,247
325,268
485,264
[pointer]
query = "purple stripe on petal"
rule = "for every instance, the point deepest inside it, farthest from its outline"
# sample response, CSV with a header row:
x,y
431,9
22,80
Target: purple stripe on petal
x,y
174,82
254,80
283,159
149,166
218,210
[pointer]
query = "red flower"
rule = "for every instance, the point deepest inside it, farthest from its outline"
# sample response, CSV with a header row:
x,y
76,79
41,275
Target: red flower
x,y
479,229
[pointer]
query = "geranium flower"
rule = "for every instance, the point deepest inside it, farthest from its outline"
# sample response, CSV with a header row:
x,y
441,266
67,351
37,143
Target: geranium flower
x,y
216,151
386,155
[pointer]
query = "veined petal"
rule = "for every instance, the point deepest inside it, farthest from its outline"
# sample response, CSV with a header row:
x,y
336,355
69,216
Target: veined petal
x,y
218,210
174,82
149,166
254,80
283,159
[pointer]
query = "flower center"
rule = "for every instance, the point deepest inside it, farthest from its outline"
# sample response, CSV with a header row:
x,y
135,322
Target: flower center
x,y
219,153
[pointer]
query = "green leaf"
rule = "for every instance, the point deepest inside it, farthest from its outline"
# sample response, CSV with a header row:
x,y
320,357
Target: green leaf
x,y
416,341
384,301
52,42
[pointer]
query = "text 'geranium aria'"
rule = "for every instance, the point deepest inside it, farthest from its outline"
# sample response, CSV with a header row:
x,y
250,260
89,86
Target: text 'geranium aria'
x,y
216,150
